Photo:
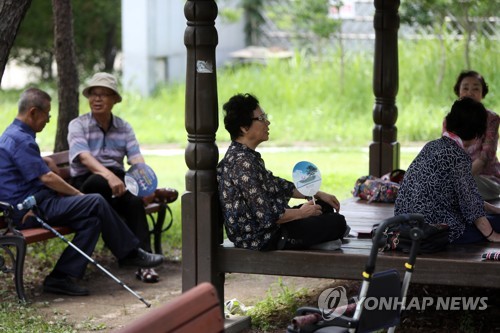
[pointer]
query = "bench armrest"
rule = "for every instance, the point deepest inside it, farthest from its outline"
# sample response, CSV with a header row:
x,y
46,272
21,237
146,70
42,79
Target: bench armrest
x,y
7,210
4,206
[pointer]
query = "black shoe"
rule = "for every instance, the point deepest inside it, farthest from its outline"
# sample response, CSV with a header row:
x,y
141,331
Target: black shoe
x,y
64,286
143,259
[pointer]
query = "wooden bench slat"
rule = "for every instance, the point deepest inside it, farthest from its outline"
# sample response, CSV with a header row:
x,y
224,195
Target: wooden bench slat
x,y
60,158
196,310
34,235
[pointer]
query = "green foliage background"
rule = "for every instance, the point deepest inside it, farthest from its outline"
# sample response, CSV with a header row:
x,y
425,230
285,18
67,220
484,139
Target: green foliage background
x,y
97,36
306,100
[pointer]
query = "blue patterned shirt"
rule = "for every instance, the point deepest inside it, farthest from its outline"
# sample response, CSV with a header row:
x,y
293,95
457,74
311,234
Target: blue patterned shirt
x,y
439,184
252,198
109,148
20,163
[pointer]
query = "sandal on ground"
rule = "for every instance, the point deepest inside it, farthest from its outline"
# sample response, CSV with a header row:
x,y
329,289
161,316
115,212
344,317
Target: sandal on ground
x,y
147,275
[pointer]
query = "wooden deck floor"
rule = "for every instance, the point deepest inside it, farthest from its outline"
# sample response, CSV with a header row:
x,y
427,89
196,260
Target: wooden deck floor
x,y
459,265
361,215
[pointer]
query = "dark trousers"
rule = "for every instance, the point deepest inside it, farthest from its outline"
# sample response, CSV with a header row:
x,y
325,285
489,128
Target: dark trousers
x,y
473,235
89,215
128,206
304,233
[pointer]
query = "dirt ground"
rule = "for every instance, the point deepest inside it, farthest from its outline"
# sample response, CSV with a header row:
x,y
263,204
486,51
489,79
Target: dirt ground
x,y
111,306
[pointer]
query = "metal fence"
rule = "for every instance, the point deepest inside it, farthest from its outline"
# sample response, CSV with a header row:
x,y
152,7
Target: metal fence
x,y
357,27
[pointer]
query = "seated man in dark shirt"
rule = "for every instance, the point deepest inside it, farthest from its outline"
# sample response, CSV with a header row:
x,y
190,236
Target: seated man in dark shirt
x,y
24,173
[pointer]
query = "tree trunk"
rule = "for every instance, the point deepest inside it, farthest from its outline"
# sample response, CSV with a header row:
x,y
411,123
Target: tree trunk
x,y
66,70
110,49
11,15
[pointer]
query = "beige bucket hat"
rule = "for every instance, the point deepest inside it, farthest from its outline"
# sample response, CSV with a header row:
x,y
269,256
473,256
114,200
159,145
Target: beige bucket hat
x,y
102,80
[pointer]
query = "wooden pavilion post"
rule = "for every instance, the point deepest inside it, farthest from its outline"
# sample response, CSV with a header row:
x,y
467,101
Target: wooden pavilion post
x,y
200,231
384,150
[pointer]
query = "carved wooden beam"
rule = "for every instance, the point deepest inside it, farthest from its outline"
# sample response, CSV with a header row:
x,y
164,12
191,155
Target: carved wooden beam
x,y
200,230
384,150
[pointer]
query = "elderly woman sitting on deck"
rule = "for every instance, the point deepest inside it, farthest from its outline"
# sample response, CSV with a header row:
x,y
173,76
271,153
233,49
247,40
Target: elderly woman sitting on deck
x,y
439,183
482,150
255,202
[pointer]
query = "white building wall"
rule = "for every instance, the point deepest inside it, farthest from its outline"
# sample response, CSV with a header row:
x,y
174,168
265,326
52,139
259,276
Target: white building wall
x,y
153,43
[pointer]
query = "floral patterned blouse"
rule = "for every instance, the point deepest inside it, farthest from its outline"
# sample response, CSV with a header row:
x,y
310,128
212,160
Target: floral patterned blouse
x,y
252,198
439,185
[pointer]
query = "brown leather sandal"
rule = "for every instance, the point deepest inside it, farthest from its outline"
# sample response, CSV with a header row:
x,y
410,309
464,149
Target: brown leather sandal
x,y
147,275
166,195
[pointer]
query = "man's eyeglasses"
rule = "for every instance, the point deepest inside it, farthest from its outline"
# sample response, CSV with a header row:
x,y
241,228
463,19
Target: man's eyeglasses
x,y
100,95
262,117
46,112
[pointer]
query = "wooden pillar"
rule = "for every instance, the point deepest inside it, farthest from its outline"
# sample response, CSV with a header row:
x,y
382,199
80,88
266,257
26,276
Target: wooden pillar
x,y
384,150
200,231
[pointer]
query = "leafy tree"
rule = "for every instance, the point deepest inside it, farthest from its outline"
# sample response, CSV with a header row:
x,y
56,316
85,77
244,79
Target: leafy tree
x,y
429,14
97,33
312,16
466,16
250,11
308,20
311,23
97,26
34,42
11,15
254,20
471,16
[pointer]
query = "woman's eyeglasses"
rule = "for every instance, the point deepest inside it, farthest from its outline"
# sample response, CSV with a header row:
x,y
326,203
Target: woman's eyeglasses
x,y
262,117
